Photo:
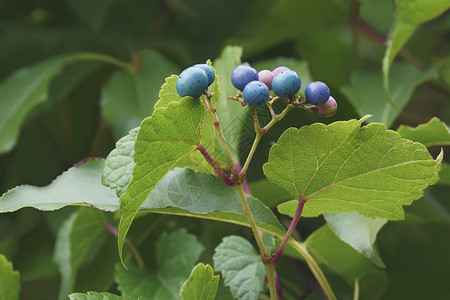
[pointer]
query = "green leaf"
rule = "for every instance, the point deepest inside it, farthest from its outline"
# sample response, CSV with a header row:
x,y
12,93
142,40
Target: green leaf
x,y
168,92
365,93
156,154
410,14
96,296
343,167
20,93
241,266
119,164
373,285
9,280
92,13
201,285
358,231
74,241
270,194
433,133
444,174
176,254
80,184
337,255
129,97
231,114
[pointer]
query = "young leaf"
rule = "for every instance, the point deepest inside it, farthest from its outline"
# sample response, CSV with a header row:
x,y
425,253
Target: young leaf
x,y
358,231
433,133
241,266
343,167
79,185
404,78
96,296
156,154
128,97
176,254
119,164
16,102
74,241
201,285
168,92
9,280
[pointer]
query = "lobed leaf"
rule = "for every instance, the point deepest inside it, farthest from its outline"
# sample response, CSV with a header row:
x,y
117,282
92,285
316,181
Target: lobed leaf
x,y
343,167
168,92
9,280
241,266
201,285
157,153
433,133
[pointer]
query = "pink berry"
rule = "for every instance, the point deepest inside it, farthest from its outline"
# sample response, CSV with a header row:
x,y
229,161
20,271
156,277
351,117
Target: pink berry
x,y
328,109
266,77
278,70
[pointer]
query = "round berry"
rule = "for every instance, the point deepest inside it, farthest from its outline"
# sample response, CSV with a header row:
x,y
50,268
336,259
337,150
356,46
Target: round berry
x,y
278,70
209,72
328,109
242,75
193,82
286,83
256,93
317,93
266,77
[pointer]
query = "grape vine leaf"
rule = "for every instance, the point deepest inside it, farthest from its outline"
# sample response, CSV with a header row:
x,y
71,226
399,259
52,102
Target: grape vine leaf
x,y
9,280
168,92
174,266
343,167
444,174
129,97
404,78
409,15
96,296
433,133
80,184
156,154
16,102
241,266
201,285
119,164
75,239
358,231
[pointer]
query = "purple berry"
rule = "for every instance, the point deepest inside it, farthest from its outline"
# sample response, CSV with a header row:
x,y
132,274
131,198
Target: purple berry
x,y
256,93
209,72
242,75
317,93
278,70
266,77
286,83
193,82
328,109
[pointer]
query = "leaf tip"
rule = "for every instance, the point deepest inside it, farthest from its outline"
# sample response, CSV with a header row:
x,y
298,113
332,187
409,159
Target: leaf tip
x,y
440,157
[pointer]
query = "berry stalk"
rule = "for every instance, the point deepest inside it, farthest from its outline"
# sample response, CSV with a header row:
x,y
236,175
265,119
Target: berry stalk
x,y
215,166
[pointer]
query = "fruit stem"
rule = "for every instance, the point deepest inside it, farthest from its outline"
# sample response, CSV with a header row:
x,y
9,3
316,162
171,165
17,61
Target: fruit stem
x,y
215,166
271,282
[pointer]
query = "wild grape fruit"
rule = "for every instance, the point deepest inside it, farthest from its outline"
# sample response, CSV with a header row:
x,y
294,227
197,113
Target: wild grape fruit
x,y
242,75
266,77
256,93
209,72
286,83
193,82
278,70
328,109
317,93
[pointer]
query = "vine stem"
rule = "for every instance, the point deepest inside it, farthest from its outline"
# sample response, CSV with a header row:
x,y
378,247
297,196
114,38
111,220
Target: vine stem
x,y
215,166
356,292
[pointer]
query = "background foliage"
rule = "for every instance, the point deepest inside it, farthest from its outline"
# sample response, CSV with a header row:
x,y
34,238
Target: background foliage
x,y
77,75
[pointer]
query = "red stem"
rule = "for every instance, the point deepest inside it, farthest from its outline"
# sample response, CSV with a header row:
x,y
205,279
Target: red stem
x,y
298,213
245,185
215,166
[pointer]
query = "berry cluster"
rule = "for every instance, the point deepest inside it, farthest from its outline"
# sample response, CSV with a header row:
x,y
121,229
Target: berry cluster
x,y
194,80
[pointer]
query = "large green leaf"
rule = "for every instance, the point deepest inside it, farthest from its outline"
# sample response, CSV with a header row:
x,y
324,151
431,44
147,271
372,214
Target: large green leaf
x,y
80,184
201,285
96,296
241,266
176,254
366,95
343,167
409,15
119,164
157,153
358,231
9,280
129,97
74,241
20,93
433,133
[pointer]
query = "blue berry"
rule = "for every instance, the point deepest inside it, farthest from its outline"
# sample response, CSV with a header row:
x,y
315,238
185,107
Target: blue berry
x,y
317,93
242,75
193,82
328,109
209,72
278,70
256,93
286,83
